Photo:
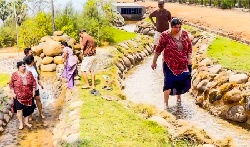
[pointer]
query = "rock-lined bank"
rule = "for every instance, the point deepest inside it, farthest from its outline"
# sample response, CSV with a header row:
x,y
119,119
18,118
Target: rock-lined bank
x,y
145,28
131,53
117,20
211,82
221,91
177,128
67,130
125,57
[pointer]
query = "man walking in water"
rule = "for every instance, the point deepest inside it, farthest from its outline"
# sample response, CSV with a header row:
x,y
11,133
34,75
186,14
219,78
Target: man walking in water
x,y
163,17
88,47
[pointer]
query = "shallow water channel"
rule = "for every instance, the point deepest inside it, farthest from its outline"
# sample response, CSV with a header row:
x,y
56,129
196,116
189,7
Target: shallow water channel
x,y
40,134
144,85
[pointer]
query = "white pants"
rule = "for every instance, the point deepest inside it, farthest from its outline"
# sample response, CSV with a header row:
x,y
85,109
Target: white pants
x,y
89,64
157,37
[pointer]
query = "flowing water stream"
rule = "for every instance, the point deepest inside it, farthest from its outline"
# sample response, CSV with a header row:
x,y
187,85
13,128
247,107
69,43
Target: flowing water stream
x,y
145,86
40,134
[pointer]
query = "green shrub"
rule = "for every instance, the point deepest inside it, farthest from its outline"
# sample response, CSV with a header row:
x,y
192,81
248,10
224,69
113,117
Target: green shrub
x,y
226,4
66,21
96,20
33,29
7,36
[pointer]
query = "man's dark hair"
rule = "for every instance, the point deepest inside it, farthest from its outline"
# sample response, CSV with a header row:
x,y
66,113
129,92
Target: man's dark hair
x,y
26,50
20,63
82,31
28,60
64,43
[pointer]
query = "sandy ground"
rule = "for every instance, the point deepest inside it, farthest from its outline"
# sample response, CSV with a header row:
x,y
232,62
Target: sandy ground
x,y
231,21
9,52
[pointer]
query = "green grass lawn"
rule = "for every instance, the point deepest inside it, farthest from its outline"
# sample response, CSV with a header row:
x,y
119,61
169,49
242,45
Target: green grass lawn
x,y
230,54
109,123
4,79
120,35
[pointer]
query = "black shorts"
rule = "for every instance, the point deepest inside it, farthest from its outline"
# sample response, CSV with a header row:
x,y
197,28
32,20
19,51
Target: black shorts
x,y
37,93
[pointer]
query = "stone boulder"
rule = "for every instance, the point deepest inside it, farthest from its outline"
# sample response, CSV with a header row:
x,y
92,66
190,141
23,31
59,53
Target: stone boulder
x,y
145,31
58,38
123,45
66,37
236,113
238,78
77,47
58,60
232,96
131,59
117,19
151,33
215,69
45,38
202,86
42,55
73,138
206,62
52,48
38,49
58,33
71,42
47,60
48,68
120,66
127,62
38,61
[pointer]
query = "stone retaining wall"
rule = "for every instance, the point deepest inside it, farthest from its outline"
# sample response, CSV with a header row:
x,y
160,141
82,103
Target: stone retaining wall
x,y
133,53
221,91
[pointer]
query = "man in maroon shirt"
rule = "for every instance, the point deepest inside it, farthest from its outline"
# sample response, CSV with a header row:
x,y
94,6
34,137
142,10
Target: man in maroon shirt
x,y
88,47
163,17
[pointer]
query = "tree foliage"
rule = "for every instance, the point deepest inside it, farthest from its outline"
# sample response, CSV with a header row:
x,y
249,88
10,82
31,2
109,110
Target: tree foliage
x,y
5,10
66,21
95,17
96,20
21,11
33,29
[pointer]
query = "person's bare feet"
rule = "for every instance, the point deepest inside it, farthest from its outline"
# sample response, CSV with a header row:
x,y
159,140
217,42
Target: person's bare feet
x,y
28,125
20,126
179,101
42,116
